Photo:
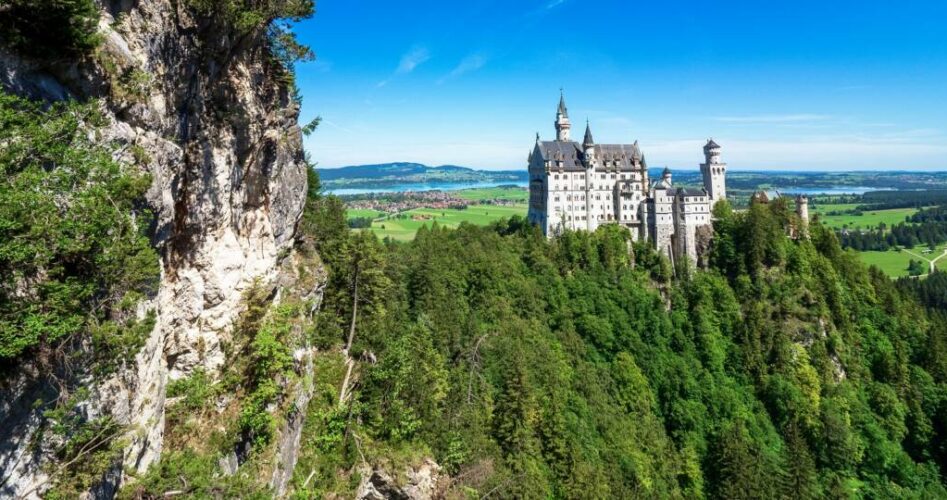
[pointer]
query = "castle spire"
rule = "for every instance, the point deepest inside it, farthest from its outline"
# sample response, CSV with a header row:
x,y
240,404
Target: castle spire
x,y
563,125
588,135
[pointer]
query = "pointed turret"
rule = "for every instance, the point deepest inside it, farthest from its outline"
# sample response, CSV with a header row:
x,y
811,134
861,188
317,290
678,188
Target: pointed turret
x,y
588,142
636,155
562,120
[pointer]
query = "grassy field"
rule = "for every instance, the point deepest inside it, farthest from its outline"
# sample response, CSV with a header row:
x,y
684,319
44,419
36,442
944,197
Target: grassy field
x,y
353,213
496,193
893,263
868,219
405,229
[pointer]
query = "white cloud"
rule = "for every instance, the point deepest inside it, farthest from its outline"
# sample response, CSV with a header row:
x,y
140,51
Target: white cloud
x,y
415,57
468,64
554,3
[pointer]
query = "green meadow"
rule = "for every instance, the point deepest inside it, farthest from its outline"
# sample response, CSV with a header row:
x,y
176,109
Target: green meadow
x,y
405,225
868,219
495,193
892,262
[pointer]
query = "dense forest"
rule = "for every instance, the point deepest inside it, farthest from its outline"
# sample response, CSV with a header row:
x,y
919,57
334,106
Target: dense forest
x,y
586,367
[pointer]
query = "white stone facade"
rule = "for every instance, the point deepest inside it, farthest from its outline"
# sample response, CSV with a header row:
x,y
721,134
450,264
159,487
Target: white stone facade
x,y
583,186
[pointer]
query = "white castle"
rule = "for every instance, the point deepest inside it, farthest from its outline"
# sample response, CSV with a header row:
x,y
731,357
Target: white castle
x,y
583,186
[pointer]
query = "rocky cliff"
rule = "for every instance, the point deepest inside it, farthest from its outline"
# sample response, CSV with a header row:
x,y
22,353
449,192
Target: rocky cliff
x,y
206,109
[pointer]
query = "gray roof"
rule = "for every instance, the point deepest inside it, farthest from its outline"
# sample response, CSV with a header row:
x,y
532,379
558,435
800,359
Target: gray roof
x,y
562,106
711,144
691,192
588,135
569,152
572,154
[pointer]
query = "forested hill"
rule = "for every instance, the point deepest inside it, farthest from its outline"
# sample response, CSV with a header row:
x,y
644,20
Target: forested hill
x,y
572,368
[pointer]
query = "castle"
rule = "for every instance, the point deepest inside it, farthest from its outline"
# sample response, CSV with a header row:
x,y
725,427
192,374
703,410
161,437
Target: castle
x,y
583,186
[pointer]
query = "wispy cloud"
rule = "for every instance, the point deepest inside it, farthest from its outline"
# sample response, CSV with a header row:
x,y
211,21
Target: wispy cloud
x,y
554,3
798,118
415,57
468,64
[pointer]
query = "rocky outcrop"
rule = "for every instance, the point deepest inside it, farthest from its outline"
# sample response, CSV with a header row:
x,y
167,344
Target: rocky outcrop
x,y
422,484
206,111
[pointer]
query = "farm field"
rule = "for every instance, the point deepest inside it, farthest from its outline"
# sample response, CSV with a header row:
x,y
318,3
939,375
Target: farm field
x,y
868,219
895,264
404,229
892,262
495,193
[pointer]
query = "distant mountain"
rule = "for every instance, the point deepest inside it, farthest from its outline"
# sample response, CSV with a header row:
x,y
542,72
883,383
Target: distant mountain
x,y
386,175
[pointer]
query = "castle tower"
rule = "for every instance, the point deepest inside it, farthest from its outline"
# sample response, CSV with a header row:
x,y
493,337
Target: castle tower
x,y
714,172
802,210
563,125
666,177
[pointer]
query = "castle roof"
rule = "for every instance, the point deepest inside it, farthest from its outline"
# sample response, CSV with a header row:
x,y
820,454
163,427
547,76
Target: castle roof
x,y
711,144
562,106
572,154
689,192
588,135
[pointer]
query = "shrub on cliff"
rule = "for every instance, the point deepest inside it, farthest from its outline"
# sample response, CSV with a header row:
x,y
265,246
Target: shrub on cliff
x,y
72,240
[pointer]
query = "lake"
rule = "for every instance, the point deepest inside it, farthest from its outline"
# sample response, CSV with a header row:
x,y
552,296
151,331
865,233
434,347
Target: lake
x,y
828,190
434,186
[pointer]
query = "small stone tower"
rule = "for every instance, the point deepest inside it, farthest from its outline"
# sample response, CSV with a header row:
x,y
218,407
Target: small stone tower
x,y
563,125
714,172
802,210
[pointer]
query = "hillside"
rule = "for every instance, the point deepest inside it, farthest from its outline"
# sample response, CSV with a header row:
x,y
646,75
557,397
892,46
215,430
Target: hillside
x,y
574,368
152,178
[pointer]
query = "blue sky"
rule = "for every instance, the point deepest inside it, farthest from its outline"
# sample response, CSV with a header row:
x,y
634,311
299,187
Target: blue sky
x,y
813,85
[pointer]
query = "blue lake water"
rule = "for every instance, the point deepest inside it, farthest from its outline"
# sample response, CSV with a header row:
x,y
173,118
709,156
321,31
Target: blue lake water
x,y
455,186
437,186
829,190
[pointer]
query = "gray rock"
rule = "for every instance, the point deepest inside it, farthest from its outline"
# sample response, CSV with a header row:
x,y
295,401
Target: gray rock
x,y
218,126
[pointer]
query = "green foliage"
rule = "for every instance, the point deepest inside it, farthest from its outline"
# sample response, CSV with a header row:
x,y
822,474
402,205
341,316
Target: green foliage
x,y
576,368
90,448
265,365
74,256
49,28
272,17
194,475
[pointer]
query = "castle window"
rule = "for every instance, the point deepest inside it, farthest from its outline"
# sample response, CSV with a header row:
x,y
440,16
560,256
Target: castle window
x,y
556,177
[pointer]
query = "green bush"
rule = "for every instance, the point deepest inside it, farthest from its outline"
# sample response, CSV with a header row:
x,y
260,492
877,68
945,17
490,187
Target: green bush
x,y
72,236
50,28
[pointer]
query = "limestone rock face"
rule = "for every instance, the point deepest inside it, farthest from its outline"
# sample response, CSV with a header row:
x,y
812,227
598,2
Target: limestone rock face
x,y
207,113
422,484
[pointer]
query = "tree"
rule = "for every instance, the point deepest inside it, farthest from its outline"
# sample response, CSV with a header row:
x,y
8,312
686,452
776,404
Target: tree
x,y
363,270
